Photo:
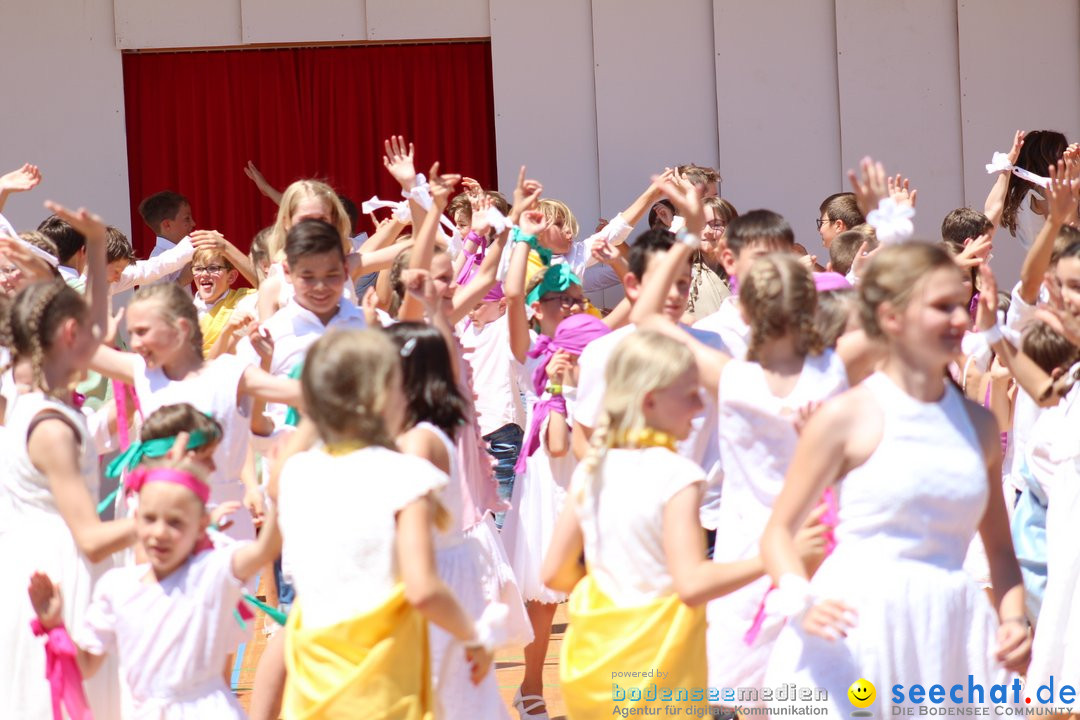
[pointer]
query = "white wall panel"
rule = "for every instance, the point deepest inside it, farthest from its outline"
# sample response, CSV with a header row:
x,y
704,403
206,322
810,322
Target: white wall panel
x,y
545,115
655,92
427,19
899,97
64,108
778,109
287,21
1019,70
171,24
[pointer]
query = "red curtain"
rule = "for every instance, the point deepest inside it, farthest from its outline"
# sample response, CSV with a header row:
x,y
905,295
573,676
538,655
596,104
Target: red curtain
x,y
195,119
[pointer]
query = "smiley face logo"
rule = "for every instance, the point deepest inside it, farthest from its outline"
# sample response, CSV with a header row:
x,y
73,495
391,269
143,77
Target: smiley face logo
x,y
862,694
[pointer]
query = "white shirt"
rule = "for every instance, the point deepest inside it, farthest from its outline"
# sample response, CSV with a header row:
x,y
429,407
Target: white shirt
x,y
337,518
495,374
164,264
6,228
728,323
160,247
622,520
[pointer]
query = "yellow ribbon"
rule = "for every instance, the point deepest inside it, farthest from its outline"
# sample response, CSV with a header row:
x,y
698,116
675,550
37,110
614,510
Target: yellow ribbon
x,y
647,437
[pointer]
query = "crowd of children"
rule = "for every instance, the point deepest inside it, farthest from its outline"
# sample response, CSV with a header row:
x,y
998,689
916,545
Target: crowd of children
x,y
750,471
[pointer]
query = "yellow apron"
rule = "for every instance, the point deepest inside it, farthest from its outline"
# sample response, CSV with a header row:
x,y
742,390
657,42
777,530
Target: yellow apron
x,y
374,666
604,643
215,320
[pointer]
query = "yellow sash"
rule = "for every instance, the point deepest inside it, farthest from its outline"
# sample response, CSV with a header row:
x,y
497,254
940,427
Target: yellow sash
x,y
215,319
374,666
603,639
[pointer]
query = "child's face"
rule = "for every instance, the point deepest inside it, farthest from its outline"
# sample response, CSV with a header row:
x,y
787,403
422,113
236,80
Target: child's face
x,y
115,269
557,238
151,335
169,522
554,307
442,277
311,208
12,279
486,312
1067,274
675,302
203,457
319,282
178,227
935,319
463,222
738,265
672,409
712,237
212,279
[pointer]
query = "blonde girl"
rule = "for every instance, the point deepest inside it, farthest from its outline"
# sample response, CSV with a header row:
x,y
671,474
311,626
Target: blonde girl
x,y
890,604
50,479
633,511
365,572
167,367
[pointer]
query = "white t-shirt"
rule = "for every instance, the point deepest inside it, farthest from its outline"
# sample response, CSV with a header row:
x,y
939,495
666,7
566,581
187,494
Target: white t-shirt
x,y
162,246
294,329
495,374
172,636
728,323
338,520
622,519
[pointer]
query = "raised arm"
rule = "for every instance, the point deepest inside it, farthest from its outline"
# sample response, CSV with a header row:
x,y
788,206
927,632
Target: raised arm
x,y
1062,197
265,188
19,180
369,261
424,246
515,283
994,206
97,284
143,272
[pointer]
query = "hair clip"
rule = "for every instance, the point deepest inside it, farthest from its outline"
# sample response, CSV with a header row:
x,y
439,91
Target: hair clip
x,y
408,347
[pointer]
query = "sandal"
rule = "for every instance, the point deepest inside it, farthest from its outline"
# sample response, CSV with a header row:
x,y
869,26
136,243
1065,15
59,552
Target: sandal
x,y
534,701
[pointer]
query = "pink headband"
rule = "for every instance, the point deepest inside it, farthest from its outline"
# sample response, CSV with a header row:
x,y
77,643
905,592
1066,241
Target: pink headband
x,y
141,476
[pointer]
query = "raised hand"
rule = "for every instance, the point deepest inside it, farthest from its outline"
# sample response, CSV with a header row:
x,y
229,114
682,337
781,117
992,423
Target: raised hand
x,y
604,252
976,251
25,178
687,200
472,188
862,258
986,311
526,194
1063,192
532,222
208,240
33,267
480,205
417,282
1014,151
398,160
900,191
441,186
871,186
46,600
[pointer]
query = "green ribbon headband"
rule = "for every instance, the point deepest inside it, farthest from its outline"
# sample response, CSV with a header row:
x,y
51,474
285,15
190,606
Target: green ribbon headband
x,y
130,458
557,278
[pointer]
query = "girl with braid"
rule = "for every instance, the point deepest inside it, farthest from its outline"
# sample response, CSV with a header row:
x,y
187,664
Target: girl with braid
x,y
167,367
49,480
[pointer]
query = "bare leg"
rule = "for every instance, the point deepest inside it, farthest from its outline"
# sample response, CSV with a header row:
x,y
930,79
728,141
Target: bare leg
x,y
541,616
269,680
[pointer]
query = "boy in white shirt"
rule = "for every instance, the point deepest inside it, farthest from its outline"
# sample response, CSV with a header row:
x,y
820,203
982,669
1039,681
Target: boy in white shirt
x,y
168,214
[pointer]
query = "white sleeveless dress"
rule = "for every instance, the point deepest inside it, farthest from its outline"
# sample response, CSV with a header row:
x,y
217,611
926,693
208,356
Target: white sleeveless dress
x,y
466,569
906,518
757,441
36,538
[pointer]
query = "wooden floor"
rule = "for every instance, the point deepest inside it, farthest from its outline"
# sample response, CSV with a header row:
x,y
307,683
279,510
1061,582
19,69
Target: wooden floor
x,y
509,664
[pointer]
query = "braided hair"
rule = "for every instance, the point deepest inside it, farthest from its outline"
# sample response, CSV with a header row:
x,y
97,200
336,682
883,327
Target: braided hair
x,y
32,319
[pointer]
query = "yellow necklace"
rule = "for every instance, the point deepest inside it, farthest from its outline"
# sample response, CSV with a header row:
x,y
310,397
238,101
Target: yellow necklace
x,y
648,437
344,447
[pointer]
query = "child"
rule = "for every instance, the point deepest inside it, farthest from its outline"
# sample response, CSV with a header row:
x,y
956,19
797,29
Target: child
x,y
847,245
365,565
709,286
70,247
911,452
170,621
434,414
223,309
838,212
633,513
748,237
51,478
168,214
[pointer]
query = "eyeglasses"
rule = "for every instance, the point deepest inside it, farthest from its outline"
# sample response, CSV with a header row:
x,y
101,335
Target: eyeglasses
x,y
208,270
717,225
821,222
567,301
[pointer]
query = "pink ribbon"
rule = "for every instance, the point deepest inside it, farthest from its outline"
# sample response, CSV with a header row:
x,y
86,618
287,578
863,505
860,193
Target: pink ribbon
x,y
62,672
142,475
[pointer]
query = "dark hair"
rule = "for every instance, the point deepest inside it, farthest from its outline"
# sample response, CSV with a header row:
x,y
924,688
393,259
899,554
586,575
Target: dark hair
x,y
962,224
33,318
161,206
351,211
1040,150
171,420
1047,347
647,244
758,226
68,240
842,206
427,378
845,246
117,246
312,237
654,217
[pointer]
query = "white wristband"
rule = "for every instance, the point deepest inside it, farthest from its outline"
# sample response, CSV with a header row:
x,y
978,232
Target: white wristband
x,y
791,597
992,335
687,238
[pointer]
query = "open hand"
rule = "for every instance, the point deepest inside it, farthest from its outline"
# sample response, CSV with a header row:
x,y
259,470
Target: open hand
x,y
871,186
25,178
398,160
47,601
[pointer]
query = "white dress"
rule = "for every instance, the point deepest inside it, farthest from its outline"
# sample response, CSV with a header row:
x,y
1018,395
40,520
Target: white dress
x,y
467,571
906,517
36,538
212,390
757,442
170,637
537,500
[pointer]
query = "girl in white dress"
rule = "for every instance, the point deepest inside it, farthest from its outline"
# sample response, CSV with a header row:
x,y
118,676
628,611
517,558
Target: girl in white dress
x,y
434,414
50,480
357,518
167,367
170,621
918,470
